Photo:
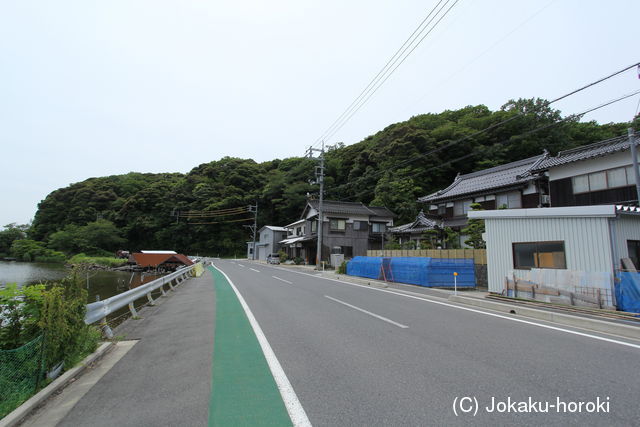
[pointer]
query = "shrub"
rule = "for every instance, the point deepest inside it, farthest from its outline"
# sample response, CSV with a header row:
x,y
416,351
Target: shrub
x,y
297,260
342,268
57,311
19,314
67,337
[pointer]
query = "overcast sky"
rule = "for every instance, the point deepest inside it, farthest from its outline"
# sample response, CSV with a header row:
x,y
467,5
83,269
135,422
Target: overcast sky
x,y
97,88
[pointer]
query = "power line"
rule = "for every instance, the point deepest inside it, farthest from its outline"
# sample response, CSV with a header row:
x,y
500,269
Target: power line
x,y
538,129
220,222
520,114
210,214
596,82
387,70
344,122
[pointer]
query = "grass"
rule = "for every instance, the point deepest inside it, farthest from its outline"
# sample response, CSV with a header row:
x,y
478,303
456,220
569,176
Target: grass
x,y
105,261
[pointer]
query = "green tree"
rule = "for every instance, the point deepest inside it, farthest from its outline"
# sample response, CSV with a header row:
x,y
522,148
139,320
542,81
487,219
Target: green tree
x,y
11,233
474,230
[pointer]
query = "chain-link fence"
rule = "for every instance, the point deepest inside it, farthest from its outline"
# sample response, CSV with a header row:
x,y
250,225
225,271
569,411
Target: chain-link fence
x,y
20,372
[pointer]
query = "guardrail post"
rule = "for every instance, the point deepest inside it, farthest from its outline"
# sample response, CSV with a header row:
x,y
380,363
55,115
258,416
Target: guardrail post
x,y
133,311
171,286
151,301
106,329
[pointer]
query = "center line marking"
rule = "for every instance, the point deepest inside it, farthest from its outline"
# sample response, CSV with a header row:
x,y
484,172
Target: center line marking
x,y
257,271
282,280
241,265
400,325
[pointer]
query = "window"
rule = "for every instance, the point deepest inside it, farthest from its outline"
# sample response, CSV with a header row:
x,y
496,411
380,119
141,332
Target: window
x,y
581,184
539,255
378,227
511,200
442,209
596,181
337,224
461,207
360,225
617,177
314,226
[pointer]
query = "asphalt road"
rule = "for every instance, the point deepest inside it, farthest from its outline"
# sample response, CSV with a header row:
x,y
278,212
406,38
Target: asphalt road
x,y
165,379
362,356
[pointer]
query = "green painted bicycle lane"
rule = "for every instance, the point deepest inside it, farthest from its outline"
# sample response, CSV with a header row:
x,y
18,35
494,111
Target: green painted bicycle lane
x,y
243,391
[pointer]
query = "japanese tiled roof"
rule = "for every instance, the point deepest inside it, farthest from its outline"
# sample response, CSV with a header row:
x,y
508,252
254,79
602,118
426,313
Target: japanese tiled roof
x,y
514,174
381,211
421,223
598,149
351,208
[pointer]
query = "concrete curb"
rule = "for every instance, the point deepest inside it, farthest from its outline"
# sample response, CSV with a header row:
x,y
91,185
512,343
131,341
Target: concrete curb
x,y
626,331
18,414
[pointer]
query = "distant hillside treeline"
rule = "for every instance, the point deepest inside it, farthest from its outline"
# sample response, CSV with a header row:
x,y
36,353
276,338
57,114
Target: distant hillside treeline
x,y
391,168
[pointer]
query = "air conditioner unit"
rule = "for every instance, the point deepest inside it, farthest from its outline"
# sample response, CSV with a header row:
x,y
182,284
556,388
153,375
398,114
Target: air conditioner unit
x,y
545,199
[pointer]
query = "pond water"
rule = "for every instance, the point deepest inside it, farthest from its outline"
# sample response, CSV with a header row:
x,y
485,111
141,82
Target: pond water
x,y
99,283
25,273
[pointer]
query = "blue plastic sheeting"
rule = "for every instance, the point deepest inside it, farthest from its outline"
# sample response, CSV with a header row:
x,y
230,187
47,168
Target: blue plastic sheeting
x,y
628,292
423,271
365,266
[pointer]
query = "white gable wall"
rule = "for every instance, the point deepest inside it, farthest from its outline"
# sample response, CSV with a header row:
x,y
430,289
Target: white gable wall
x,y
619,159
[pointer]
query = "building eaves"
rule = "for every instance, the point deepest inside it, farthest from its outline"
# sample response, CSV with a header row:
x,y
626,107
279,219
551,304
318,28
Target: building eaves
x,y
591,151
343,208
510,175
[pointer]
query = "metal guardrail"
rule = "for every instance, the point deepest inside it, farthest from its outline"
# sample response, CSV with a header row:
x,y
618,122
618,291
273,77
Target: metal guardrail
x,y
99,310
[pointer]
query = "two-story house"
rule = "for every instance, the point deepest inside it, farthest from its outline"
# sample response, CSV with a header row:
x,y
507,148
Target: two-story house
x,y
512,185
595,174
348,228
292,244
268,242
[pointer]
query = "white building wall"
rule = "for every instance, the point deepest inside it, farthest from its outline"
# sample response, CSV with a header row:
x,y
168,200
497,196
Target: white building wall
x,y
626,227
586,240
622,158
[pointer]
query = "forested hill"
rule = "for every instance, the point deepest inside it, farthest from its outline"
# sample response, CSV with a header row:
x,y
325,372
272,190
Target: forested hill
x,y
393,168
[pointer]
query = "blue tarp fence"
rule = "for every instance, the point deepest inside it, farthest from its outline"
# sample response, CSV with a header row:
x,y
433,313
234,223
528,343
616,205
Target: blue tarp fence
x,y
423,271
628,291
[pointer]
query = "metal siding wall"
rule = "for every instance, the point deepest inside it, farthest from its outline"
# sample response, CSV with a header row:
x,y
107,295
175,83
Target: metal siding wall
x,y
587,246
627,227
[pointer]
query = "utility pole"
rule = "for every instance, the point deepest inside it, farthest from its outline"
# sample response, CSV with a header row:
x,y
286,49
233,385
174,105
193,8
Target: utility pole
x,y
319,180
254,229
634,156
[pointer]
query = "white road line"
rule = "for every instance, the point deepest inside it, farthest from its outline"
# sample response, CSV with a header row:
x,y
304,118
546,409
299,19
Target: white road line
x,y
282,280
253,269
399,325
555,328
240,265
292,403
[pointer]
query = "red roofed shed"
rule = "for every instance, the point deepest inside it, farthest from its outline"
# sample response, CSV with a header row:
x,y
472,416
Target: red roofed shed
x,y
168,261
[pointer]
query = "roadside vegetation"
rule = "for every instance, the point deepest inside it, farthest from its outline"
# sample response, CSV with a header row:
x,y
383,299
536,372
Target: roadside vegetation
x,y
41,328
85,260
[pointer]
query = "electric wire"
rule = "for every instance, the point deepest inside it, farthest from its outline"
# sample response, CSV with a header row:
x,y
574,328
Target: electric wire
x,y
518,115
220,222
344,122
371,83
422,155
371,88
